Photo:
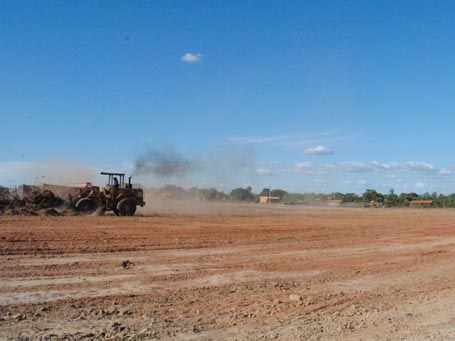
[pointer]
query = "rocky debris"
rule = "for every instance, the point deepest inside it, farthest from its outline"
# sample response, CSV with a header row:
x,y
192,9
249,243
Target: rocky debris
x,y
20,211
114,331
52,212
8,201
38,202
18,317
295,298
126,264
3,204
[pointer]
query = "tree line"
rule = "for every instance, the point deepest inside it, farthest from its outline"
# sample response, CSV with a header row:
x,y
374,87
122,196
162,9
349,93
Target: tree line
x,y
390,199
246,194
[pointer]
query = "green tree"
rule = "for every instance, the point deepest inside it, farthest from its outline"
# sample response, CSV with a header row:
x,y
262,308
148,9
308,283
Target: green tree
x,y
210,194
294,198
371,194
406,198
242,194
351,197
265,192
278,193
391,199
450,201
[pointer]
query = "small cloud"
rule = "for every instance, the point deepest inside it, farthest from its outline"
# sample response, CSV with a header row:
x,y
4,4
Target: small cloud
x,y
286,140
307,168
352,166
319,150
361,182
445,172
420,185
261,171
191,58
410,166
303,166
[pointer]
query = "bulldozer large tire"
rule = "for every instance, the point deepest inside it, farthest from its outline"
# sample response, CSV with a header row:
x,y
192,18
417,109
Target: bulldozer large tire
x,y
126,207
85,205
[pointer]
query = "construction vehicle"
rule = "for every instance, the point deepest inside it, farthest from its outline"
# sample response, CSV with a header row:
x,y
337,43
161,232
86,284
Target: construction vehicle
x,y
117,196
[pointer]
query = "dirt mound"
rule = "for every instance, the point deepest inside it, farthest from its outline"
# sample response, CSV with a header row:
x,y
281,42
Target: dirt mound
x,y
38,202
51,212
42,199
20,211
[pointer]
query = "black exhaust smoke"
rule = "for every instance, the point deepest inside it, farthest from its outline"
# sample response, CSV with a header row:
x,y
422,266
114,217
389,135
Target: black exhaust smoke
x,y
163,163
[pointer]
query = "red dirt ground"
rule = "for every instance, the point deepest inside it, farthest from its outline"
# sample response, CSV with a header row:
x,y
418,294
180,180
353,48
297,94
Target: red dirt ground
x,y
280,273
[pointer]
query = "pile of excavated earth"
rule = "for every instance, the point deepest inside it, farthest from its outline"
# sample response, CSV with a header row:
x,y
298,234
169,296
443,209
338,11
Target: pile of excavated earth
x,y
38,202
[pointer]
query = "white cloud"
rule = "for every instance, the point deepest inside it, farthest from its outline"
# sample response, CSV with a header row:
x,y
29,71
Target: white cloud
x,y
375,166
261,171
445,172
304,166
191,57
308,168
319,150
292,140
420,185
353,166
361,182
410,166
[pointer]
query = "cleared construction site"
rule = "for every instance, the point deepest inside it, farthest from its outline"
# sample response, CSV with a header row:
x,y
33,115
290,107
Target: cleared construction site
x,y
240,273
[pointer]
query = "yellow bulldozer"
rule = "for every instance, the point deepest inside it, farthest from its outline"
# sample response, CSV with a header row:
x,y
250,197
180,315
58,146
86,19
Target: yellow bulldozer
x,y
116,196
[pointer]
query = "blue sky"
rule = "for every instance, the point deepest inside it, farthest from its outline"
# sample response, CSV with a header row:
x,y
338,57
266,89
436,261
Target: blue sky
x,y
307,96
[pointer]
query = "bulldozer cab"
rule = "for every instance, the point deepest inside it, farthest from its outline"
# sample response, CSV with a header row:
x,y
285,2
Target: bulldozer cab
x,y
120,177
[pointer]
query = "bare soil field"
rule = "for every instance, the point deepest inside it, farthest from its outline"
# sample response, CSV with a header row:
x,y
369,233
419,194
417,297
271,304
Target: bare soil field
x,y
242,273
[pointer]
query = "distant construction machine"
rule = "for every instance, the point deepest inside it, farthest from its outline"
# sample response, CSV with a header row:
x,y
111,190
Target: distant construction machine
x,y
116,196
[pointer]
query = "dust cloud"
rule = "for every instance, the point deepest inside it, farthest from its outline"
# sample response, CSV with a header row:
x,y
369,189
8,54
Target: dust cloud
x,y
58,172
225,168
158,206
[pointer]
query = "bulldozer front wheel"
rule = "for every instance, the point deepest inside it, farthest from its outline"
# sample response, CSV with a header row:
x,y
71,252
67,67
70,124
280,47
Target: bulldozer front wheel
x,y
126,207
85,205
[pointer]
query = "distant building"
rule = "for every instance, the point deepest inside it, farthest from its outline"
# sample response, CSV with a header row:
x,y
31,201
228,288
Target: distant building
x,y
264,199
420,203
